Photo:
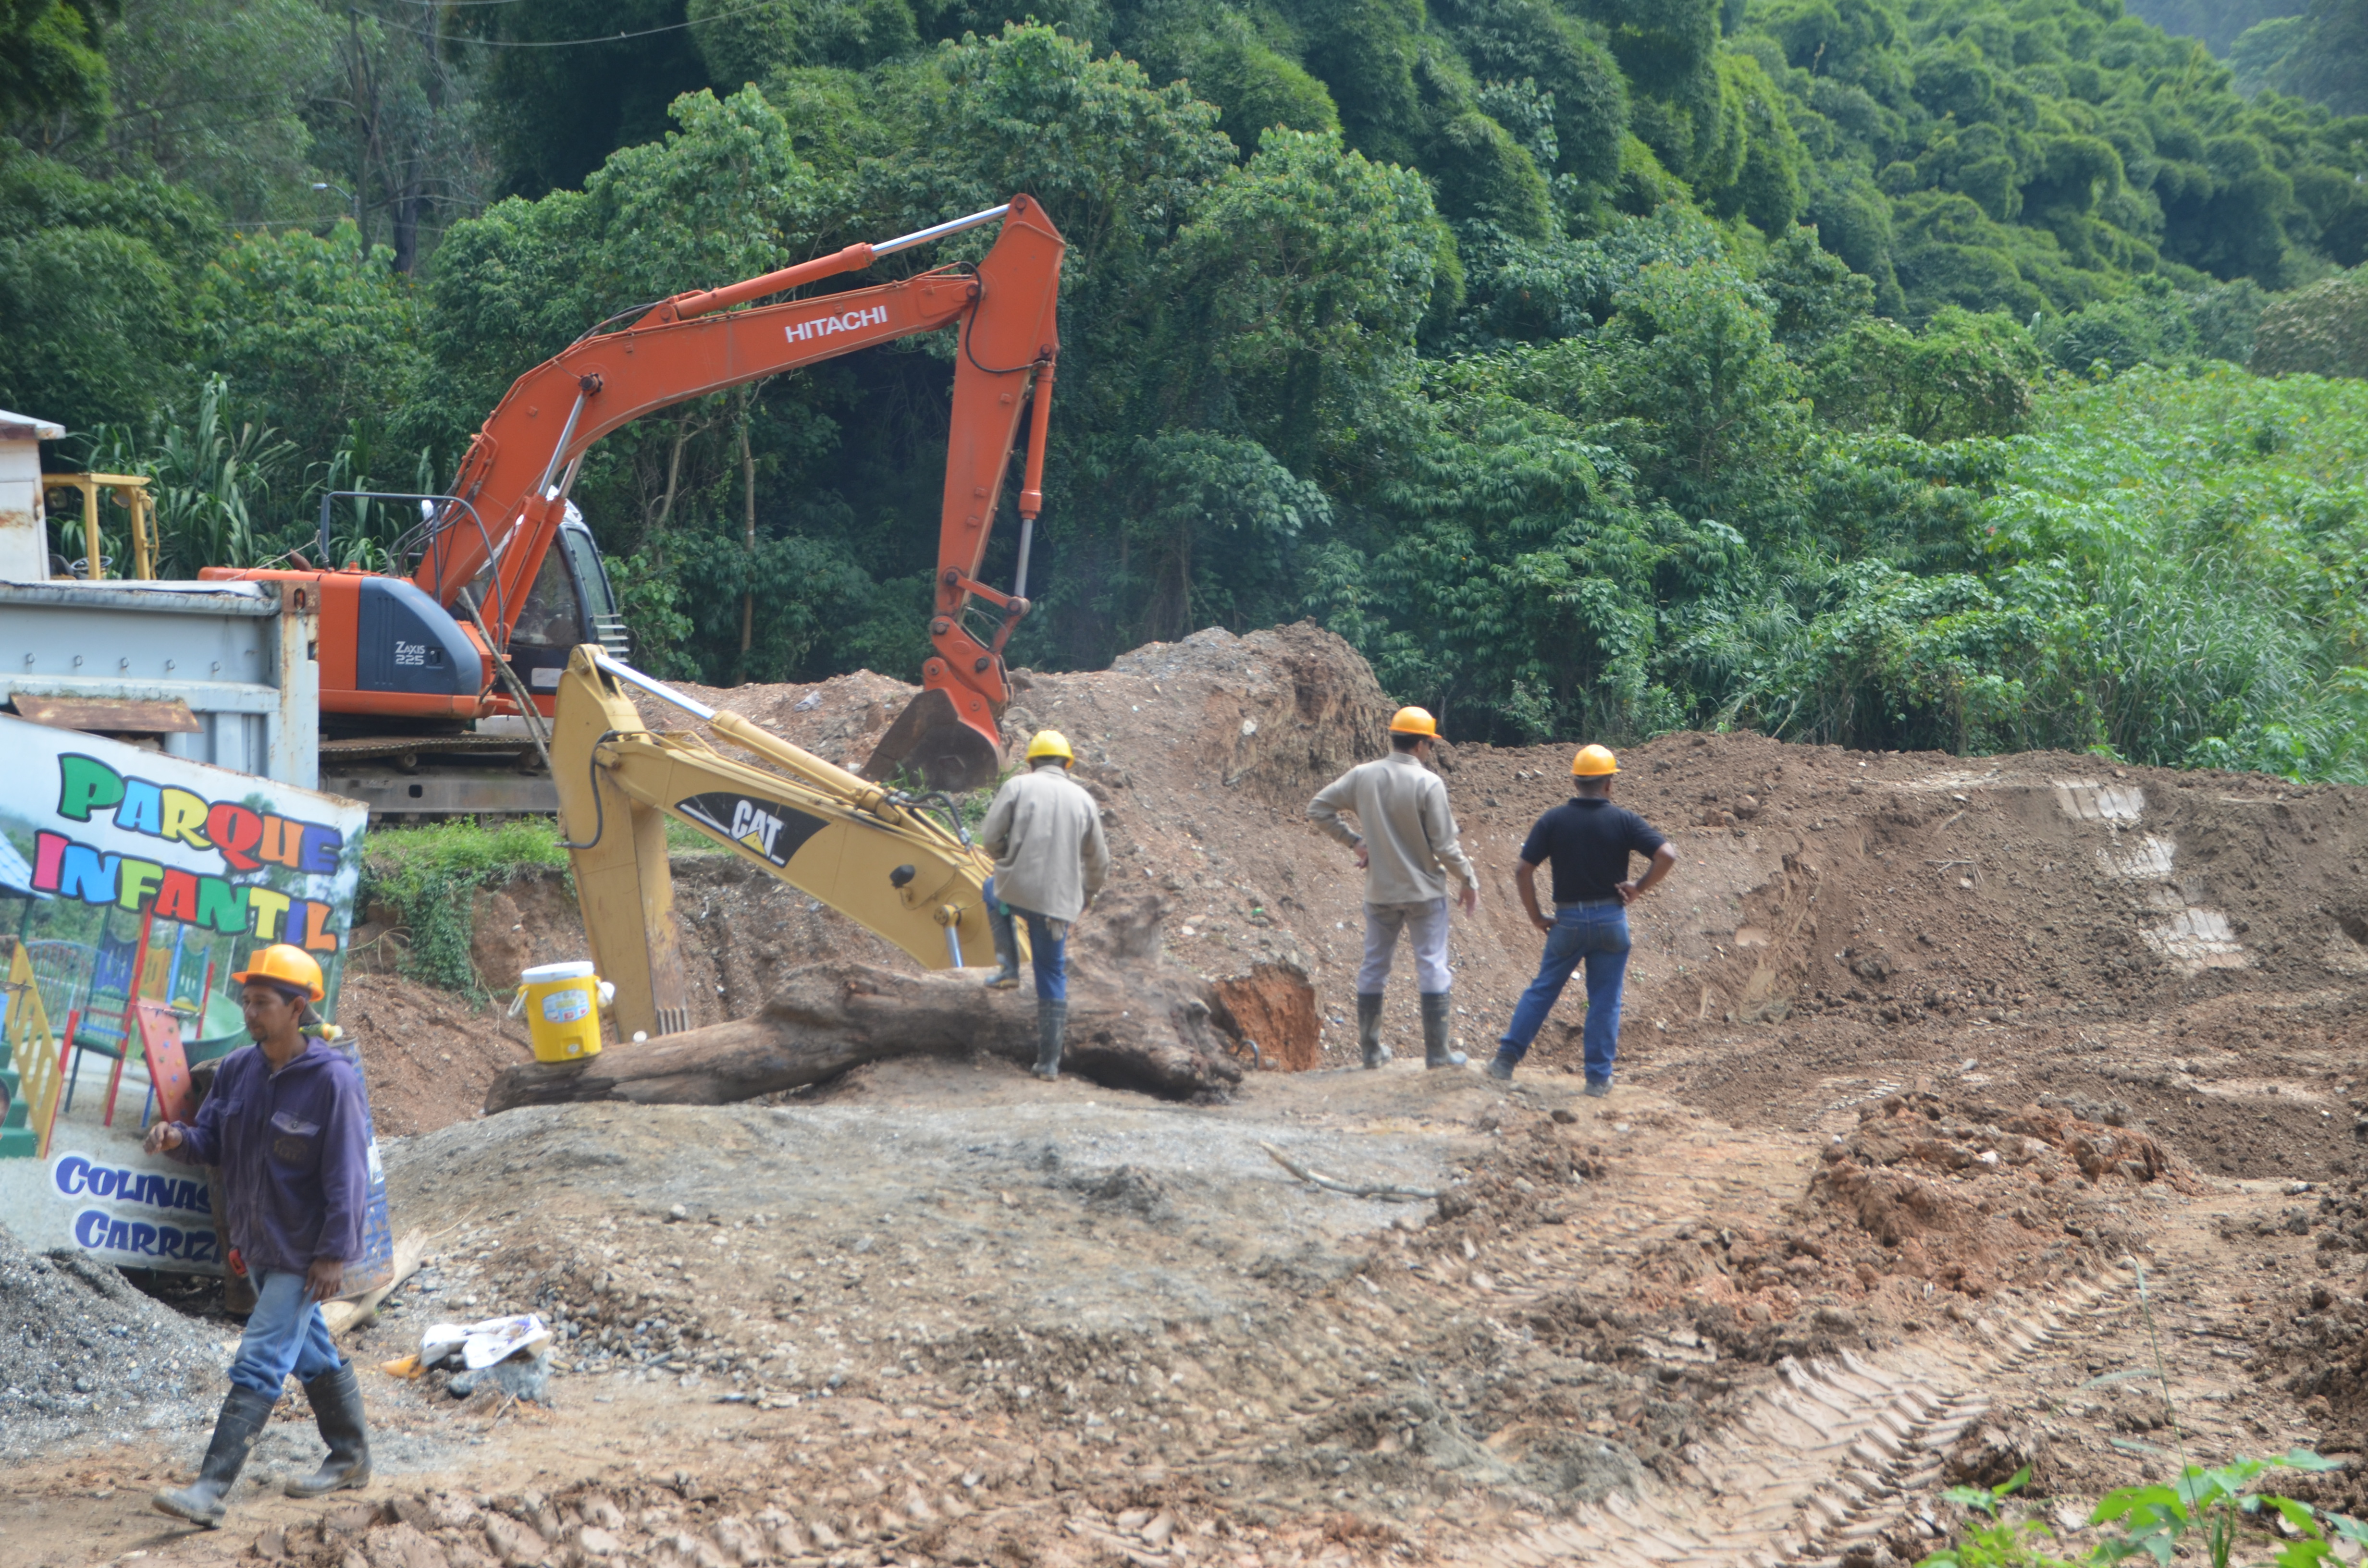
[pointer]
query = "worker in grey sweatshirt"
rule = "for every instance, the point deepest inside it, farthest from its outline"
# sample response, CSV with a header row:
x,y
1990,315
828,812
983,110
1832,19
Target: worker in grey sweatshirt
x,y
1408,849
1046,833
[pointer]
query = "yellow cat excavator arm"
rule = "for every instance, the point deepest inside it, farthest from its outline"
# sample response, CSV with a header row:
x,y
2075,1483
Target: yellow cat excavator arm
x,y
874,854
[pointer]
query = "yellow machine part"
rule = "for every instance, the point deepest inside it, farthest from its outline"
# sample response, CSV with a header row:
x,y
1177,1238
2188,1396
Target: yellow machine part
x,y
854,845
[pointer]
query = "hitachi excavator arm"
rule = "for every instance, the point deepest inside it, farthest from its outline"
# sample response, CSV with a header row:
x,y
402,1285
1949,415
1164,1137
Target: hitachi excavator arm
x,y
515,472
389,648
874,854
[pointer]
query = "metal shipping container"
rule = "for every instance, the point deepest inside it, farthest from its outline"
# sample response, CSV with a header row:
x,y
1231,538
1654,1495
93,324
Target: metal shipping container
x,y
242,663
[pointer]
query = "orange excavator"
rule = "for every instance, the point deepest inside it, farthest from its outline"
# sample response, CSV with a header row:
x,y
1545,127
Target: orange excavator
x,y
401,669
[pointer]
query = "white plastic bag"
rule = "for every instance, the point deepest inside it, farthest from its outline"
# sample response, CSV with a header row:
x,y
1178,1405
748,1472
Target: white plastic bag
x,y
482,1343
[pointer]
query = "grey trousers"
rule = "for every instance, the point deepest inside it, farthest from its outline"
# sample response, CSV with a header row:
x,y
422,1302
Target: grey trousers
x,y
1425,924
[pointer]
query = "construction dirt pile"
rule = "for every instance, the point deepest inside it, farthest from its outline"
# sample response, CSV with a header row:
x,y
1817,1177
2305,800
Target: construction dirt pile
x,y
82,1354
1973,1115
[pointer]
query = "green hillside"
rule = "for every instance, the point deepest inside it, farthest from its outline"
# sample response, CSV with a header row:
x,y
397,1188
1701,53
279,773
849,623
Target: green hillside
x,y
1854,369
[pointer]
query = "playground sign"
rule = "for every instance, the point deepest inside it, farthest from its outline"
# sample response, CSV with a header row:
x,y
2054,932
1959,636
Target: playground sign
x,y
133,885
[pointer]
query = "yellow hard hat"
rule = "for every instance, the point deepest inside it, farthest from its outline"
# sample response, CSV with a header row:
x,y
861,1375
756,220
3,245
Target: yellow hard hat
x,y
1594,762
1414,722
1051,742
287,965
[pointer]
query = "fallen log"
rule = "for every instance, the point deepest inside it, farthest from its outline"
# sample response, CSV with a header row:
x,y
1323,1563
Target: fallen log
x,y
1135,1022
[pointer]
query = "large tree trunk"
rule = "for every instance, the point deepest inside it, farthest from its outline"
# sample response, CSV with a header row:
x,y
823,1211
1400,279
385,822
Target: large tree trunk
x,y
1135,1022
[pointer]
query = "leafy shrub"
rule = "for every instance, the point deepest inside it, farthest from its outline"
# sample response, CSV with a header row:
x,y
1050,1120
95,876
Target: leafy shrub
x,y
2217,1509
2318,331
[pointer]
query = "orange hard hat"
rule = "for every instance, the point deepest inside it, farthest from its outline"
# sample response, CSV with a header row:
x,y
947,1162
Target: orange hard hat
x,y
284,965
1594,762
1414,722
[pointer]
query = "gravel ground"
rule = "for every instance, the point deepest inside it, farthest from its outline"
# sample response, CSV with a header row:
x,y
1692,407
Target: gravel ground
x,y
83,1355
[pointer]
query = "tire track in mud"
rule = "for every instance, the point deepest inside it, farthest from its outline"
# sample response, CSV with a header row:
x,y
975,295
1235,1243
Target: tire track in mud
x,y
1829,1453
1825,1457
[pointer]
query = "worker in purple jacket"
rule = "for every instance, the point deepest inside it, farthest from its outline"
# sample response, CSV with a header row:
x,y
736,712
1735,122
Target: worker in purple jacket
x,y
289,1126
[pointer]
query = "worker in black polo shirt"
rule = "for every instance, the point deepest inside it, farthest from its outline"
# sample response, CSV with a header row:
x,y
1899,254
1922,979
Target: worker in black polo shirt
x,y
1589,839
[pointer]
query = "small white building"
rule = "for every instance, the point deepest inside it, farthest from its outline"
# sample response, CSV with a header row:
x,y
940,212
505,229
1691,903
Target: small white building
x,y
24,530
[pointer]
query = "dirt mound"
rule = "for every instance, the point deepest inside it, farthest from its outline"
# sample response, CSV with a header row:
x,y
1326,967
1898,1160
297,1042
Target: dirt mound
x,y
2174,950
83,1353
1970,1197
2316,1343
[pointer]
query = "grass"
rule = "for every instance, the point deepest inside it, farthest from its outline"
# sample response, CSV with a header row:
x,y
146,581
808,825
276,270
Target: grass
x,y
428,877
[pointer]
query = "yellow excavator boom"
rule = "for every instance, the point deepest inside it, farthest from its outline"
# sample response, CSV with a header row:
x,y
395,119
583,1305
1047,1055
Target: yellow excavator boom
x,y
874,854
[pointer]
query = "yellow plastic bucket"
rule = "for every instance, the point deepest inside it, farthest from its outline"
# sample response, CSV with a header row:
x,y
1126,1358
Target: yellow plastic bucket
x,y
561,1002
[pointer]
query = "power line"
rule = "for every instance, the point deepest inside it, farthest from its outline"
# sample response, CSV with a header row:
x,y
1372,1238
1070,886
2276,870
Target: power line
x,y
571,42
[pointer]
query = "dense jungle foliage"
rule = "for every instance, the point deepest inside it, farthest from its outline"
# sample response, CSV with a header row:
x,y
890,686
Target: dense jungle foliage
x,y
1963,373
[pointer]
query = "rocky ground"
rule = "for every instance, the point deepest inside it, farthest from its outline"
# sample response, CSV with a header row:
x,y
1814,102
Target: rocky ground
x,y
1951,1089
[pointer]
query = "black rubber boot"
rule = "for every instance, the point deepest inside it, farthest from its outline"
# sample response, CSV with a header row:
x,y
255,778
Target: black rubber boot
x,y
338,1410
235,1430
1052,1019
1007,951
1435,1019
1368,1029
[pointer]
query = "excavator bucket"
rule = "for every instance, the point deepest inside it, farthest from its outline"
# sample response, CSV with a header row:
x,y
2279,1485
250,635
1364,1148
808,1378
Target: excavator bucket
x,y
932,739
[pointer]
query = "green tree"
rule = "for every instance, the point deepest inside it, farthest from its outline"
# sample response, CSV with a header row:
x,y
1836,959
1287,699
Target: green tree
x,y
319,338
93,279
2148,326
52,69
1693,359
1225,59
1311,267
2320,55
557,103
2214,23
187,103
1962,375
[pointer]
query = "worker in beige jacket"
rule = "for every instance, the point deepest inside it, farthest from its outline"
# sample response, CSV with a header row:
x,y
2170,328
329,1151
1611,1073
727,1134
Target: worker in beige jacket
x,y
1407,849
1046,833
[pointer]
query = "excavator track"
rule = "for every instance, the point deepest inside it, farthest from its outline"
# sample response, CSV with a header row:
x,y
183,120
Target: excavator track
x,y
1832,1453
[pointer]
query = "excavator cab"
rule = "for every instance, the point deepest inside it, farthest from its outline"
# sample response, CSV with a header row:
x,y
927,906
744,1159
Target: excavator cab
x,y
570,603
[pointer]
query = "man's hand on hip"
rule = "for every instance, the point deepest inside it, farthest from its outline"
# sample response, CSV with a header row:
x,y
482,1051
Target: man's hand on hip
x,y
326,1281
164,1135
1541,922
1629,893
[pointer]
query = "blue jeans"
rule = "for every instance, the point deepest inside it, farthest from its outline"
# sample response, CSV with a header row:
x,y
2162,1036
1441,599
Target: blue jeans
x,y
284,1334
1597,932
1049,954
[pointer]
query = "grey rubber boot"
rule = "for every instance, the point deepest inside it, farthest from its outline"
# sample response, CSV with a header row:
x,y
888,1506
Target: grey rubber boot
x,y
338,1410
1052,1019
235,1430
1368,1029
1007,951
1435,1020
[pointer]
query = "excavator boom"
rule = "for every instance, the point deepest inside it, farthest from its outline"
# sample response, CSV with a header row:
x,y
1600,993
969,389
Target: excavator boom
x,y
509,500
874,854
514,475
